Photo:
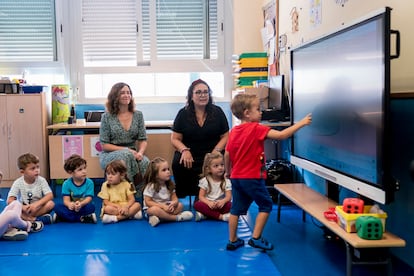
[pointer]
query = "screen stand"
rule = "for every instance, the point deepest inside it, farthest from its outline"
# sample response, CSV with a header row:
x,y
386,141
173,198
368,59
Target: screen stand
x,y
332,190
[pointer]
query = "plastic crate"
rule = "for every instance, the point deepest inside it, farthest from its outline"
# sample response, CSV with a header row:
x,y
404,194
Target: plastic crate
x,y
348,221
32,89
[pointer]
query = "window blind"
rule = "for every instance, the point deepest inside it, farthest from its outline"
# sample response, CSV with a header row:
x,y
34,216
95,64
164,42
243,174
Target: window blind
x,y
27,31
185,29
109,34
122,33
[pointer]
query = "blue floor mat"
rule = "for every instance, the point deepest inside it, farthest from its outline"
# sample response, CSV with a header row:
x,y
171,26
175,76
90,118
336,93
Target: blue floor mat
x,y
186,248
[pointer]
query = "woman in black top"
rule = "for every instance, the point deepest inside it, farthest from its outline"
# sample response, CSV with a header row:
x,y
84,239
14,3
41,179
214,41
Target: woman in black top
x,y
199,128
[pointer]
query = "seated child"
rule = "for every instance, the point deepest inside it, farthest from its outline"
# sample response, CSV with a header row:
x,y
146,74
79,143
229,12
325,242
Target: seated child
x,y
77,193
160,200
118,195
32,190
214,199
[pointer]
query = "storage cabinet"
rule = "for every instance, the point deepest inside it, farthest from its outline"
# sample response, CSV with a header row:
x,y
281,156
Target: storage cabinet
x,y
23,121
159,144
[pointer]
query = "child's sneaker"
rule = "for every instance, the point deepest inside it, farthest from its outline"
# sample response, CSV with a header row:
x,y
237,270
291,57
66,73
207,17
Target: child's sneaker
x,y
183,216
109,218
55,218
260,243
14,234
154,221
138,215
91,218
46,219
234,245
35,226
226,217
199,216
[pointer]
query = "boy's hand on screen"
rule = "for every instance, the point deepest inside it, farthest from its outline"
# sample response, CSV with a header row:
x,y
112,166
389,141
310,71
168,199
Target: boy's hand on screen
x,y
307,120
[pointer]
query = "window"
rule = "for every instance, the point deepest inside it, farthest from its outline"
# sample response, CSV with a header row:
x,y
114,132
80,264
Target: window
x,y
28,32
142,41
185,29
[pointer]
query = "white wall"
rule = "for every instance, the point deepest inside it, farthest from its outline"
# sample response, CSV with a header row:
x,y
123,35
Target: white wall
x,y
335,15
248,20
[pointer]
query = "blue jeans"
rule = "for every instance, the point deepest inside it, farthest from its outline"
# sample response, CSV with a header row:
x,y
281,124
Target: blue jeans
x,y
65,214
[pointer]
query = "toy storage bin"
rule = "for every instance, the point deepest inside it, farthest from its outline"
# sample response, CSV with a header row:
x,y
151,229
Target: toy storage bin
x,y
347,221
31,89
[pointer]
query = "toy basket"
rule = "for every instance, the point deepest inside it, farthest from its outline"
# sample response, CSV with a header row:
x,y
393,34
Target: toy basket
x,y
347,221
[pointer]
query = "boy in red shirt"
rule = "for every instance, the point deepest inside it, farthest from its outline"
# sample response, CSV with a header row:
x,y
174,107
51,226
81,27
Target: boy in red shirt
x,y
245,164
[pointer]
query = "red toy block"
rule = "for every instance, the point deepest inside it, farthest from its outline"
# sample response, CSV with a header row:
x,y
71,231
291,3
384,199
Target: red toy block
x,y
353,205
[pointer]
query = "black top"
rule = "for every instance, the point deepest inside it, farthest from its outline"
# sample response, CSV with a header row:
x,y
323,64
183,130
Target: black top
x,y
201,140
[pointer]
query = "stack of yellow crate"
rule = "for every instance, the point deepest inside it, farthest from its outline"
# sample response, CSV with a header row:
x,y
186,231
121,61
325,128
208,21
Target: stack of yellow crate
x,y
251,68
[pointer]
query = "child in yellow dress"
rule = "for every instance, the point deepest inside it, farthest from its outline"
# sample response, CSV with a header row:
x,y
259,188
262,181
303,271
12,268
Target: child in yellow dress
x,y
118,195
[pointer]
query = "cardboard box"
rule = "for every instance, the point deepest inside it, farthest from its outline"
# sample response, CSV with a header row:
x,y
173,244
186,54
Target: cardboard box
x,y
348,221
262,93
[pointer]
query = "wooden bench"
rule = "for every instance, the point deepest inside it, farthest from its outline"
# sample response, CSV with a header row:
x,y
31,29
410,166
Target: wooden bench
x,y
315,204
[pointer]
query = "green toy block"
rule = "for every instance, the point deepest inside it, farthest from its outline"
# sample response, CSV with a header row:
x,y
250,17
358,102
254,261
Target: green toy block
x,y
369,228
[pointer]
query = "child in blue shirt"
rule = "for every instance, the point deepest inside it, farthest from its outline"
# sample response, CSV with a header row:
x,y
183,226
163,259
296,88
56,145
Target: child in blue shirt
x,y
77,193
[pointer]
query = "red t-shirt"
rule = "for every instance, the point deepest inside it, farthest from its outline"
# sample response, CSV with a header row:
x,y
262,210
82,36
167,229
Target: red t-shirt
x,y
246,150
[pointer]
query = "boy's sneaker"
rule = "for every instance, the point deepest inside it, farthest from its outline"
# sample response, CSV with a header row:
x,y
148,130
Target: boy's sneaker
x,y
36,226
91,218
154,221
226,217
55,218
234,245
183,216
14,234
199,216
46,219
260,243
109,218
138,215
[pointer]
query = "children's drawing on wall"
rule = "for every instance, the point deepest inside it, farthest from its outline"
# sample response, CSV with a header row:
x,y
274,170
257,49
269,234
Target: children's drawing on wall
x,y
315,12
294,15
269,36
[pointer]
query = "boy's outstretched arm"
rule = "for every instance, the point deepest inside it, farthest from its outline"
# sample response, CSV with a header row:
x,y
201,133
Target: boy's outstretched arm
x,y
288,132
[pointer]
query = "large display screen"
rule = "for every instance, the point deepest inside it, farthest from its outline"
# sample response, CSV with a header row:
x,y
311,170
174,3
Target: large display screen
x,y
343,80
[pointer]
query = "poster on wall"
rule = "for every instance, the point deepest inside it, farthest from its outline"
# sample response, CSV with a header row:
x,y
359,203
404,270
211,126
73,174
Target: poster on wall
x,y
60,103
96,147
72,144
